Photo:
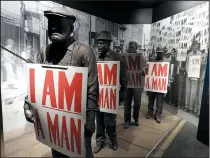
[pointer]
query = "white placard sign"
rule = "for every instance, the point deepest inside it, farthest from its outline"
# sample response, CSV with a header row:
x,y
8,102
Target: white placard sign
x,y
58,95
109,86
194,66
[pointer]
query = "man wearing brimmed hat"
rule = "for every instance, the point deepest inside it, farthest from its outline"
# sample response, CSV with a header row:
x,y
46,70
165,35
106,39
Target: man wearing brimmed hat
x,y
159,96
134,93
194,86
172,97
66,51
107,121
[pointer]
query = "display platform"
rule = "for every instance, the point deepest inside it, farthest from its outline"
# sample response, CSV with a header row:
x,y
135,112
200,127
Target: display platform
x,y
185,144
133,142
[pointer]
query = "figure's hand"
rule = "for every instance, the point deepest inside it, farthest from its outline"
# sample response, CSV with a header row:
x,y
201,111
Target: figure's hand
x,y
145,71
168,87
27,111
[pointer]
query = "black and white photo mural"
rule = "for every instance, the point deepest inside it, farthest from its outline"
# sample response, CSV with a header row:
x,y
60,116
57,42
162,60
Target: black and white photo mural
x,y
185,37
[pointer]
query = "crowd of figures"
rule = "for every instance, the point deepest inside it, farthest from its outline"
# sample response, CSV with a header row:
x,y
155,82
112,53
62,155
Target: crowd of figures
x,y
66,51
184,36
184,92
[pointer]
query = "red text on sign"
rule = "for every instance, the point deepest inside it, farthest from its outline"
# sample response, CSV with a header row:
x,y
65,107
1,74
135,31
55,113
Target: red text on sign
x,y
106,75
38,125
32,85
107,98
159,70
133,63
70,136
66,91
134,78
158,84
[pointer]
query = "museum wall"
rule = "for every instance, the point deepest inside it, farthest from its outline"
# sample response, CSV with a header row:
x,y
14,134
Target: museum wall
x,y
178,34
169,8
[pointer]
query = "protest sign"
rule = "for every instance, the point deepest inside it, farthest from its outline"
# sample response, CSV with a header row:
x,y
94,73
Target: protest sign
x,y
181,54
182,50
58,96
156,79
109,83
134,63
194,66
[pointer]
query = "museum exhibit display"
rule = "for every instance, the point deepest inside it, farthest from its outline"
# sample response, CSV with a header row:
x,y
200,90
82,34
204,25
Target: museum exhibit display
x,y
138,67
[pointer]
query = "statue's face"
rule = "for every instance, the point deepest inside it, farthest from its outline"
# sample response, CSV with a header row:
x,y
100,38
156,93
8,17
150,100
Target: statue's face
x,y
160,55
103,46
132,48
59,28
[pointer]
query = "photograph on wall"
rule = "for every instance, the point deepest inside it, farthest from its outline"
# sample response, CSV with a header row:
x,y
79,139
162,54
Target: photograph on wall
x,y
185,36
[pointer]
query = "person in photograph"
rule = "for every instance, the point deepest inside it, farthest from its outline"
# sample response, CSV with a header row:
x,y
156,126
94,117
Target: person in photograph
x,y
167,58
132,93
181,84
172,95
7,62
117,47
151,57
28,54
31,53
66,51
194,85
107,121
173,90
159,96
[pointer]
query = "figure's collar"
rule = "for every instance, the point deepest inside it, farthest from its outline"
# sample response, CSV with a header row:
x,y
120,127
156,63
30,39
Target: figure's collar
x,y
107,54
71,44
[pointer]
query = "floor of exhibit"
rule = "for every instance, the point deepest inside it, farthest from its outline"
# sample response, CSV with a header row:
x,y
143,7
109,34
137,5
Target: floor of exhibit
x,y
149,139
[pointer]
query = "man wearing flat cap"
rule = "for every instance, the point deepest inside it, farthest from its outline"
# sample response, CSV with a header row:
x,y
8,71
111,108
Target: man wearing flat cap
x,y
66,51
107,121
159,96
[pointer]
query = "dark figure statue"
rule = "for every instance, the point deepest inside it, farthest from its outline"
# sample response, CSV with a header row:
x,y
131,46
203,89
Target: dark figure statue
x,y
159,96
66,51
107,121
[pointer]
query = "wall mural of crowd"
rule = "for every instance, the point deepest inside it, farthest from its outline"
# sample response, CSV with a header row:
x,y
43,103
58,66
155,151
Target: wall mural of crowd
x,y
185,37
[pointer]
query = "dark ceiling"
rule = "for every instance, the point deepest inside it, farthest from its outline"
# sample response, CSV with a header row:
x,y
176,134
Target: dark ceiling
x,y
110,10
131,12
